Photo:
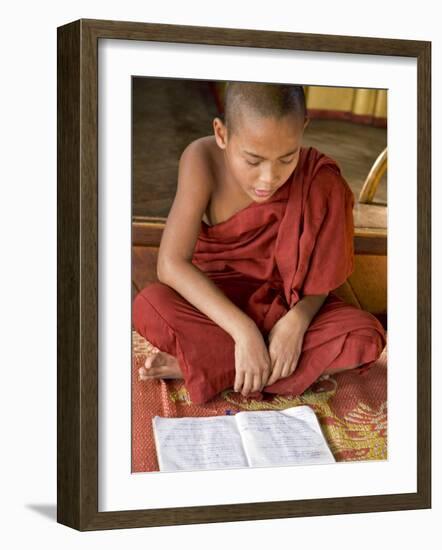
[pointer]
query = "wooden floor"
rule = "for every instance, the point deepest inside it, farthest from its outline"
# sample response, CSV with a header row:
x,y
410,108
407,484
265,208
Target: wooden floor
x,y
170,113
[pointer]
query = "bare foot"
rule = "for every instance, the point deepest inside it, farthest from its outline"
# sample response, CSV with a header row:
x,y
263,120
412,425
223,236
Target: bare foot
x,y
160,365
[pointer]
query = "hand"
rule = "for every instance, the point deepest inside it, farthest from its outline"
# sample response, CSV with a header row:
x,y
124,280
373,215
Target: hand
x,y
285,346
252,362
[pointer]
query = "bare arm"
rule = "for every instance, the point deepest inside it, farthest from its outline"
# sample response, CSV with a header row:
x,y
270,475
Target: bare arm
x,y
174,266
303,312
287,335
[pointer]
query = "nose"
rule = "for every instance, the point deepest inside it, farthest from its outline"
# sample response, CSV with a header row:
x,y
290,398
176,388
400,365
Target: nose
x,y
268,178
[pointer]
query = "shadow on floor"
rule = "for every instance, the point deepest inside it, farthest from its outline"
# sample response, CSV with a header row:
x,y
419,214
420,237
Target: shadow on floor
x,y
47,510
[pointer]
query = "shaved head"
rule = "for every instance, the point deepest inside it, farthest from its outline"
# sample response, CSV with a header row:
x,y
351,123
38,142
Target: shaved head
x,y
243,100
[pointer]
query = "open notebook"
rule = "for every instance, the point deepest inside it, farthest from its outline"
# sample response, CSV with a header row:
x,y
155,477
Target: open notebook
x,y
246,439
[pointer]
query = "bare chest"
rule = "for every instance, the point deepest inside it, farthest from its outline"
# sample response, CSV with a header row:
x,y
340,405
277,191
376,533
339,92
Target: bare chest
x,y
221,208
226,200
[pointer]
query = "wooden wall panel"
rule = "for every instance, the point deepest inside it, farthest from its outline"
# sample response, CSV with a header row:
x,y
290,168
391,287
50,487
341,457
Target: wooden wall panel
x,y
369,282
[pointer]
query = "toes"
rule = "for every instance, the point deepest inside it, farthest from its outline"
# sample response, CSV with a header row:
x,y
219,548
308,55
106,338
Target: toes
x,y
142,374
155,367
156,371
147,373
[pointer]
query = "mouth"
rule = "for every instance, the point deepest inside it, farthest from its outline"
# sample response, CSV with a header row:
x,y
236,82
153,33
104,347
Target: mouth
x,y
262,192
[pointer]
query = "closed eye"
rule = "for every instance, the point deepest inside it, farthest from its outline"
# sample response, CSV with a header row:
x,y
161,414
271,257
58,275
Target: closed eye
x,y
282,161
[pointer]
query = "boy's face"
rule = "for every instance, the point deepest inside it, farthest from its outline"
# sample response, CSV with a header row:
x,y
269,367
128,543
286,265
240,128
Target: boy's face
x,y
262,153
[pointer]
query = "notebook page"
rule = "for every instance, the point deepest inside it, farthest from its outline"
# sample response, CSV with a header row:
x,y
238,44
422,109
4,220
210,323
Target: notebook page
x,y
206,443
282,438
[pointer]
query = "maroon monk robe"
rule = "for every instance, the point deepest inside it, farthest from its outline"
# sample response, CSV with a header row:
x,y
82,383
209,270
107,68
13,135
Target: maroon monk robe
x,y
265,258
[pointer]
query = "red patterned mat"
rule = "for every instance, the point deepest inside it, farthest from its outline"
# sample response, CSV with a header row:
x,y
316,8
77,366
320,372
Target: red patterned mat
x,y
351,407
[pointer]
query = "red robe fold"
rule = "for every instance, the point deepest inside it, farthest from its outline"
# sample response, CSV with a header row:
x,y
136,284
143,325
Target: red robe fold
x,y
265,258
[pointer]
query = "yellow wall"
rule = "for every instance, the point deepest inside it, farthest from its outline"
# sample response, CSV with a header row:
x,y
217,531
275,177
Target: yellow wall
x,y
359,101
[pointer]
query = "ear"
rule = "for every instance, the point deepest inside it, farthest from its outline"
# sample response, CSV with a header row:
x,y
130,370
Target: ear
x,y
220,132
306,122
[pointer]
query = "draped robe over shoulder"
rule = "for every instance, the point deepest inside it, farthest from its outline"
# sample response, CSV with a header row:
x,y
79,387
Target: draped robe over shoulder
x,y
266,258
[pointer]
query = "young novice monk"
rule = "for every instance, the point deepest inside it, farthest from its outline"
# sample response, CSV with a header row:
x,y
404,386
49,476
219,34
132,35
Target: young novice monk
x,y
259,235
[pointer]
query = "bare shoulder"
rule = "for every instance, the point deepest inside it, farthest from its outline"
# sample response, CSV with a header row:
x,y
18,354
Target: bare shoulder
x,y
205,153
193,194
202,164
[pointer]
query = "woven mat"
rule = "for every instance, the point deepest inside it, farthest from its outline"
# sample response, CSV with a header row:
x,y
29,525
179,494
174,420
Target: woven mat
x,y
351,407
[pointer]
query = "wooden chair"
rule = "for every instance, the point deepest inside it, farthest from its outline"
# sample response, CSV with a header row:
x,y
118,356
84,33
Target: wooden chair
x,y
374,177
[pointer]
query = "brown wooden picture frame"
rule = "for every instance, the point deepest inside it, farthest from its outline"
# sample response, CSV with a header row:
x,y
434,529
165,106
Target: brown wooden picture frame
x,y
77,278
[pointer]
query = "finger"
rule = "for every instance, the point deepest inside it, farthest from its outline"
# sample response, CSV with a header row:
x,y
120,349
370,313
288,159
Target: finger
x,y
257,383
274,369
291,365
264,382
247,384
265,376
286,370
239,381
271,380
275,374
